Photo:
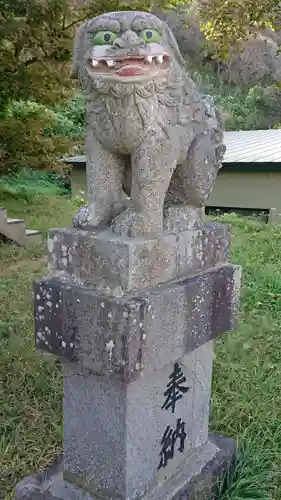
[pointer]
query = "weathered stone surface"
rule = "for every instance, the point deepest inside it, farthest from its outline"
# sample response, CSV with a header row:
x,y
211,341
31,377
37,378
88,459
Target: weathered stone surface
x,y
203,485
113,443
117,265
139,332
156,137
50,485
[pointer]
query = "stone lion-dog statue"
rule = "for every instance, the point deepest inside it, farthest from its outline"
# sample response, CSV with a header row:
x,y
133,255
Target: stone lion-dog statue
x,y
149,132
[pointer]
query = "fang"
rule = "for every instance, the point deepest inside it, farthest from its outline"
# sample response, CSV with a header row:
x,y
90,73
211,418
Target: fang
x,y
95,63
149,59
110,63
159,59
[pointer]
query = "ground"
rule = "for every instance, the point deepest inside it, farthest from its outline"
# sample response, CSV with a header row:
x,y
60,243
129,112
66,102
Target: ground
x,y
246,399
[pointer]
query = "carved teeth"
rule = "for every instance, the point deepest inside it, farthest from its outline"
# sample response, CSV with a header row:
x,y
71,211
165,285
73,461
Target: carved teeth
x,y
149,59
159,59
95,63
110,63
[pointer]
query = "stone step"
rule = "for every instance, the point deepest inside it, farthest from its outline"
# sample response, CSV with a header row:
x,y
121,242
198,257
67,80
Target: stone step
x,y
32,236
14,221
15,230
3,217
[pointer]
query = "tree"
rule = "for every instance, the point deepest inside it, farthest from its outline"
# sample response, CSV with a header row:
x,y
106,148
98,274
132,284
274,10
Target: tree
x,y
227,21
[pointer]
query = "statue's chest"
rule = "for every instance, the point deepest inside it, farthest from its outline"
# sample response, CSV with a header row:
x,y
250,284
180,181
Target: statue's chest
x,y
122,124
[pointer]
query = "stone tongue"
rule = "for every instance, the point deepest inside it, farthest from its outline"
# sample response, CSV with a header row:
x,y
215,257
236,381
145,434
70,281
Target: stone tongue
x,y
130,70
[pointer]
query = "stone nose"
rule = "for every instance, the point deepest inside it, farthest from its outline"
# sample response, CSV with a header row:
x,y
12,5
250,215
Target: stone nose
x,y
128,40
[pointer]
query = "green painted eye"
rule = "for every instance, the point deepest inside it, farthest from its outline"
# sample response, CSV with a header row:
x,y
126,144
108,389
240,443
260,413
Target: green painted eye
x,y
104,38
150,36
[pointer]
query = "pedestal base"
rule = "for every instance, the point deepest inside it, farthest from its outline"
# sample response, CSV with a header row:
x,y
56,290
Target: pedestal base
x,y
196,479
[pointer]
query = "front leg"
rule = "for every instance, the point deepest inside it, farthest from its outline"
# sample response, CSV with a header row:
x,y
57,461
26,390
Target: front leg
x,y
104,177
153,164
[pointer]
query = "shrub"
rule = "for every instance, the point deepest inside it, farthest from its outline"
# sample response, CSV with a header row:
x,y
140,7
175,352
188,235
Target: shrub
x,y
267,102
34,136
29,183
74,110
242,108
254,61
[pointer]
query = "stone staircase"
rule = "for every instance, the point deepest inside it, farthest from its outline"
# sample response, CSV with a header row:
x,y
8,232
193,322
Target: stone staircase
x,y
15,230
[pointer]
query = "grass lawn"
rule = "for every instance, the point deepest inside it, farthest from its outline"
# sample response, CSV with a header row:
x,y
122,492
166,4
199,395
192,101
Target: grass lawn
x,y
247,370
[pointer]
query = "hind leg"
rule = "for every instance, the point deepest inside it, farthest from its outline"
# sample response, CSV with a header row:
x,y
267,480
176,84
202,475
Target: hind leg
x,y
199,171
194,179
193,182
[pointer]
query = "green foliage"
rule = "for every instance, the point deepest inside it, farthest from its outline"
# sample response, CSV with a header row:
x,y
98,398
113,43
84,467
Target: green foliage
x,y
29,183
35,41
31,137
242,108
58,123
74,110
248,480
227,21
63,126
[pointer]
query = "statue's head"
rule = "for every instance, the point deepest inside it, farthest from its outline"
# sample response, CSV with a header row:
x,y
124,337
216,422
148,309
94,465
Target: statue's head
x,y
124,47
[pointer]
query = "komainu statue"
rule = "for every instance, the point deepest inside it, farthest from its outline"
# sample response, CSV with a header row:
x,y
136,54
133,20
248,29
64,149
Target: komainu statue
x,y
150,134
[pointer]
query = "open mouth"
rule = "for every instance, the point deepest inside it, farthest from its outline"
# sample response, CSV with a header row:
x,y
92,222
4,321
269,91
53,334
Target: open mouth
x,y
130,65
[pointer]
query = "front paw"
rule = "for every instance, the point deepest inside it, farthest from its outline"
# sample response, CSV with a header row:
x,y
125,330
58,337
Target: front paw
x,y
89,218
81,220
134,224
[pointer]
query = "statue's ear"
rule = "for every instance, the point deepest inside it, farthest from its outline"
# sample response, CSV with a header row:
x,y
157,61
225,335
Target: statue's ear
x,y
78,50
173,44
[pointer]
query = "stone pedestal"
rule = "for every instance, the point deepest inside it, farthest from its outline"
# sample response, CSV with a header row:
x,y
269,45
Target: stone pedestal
x,y
134,324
